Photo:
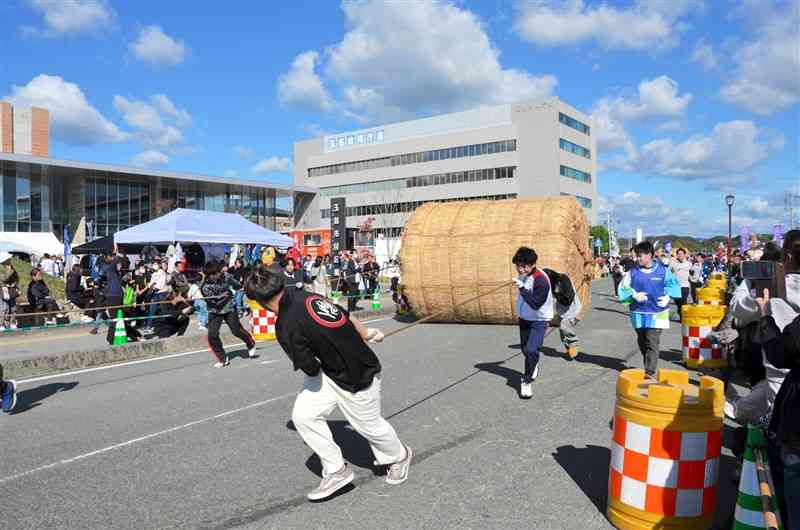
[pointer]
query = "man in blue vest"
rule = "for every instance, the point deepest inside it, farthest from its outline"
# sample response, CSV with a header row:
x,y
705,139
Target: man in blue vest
x,y
648,288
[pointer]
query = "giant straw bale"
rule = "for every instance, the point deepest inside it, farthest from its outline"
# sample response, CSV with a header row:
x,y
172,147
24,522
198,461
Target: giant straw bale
x,y
453,251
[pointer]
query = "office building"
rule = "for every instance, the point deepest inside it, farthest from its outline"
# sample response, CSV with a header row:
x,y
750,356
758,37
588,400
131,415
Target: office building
x,y
544,148
25,131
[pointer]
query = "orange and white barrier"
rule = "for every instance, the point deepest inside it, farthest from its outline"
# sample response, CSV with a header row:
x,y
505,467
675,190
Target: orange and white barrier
x,y
698,321
665,451
262,322
697,347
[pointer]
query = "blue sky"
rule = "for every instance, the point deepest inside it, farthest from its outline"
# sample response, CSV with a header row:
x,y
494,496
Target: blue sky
x,y
691,99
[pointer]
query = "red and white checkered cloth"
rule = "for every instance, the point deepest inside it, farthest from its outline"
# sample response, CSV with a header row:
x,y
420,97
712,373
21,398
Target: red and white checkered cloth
x,y
669,473
263,322
697,346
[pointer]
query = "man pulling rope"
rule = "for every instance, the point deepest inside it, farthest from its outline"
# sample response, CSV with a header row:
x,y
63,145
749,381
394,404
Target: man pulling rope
x,y
341,370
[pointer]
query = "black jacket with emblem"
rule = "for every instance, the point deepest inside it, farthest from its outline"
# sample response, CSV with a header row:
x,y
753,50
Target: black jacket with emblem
x,y
315,333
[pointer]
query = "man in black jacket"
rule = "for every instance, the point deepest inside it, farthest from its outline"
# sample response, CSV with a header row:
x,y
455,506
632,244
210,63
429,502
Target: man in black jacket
x,y
218,289
329,346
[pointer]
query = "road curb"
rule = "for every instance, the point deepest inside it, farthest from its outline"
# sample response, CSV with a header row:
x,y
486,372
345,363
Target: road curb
x,y
47,364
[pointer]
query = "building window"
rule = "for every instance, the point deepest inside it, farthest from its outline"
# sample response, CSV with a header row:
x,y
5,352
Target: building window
x,y
405,207
575,149
575,124
576,174
420,181
379,136
489,148
583,201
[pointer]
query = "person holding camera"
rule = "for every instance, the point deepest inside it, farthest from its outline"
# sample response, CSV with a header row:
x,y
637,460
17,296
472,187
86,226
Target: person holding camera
x,y
782,352
766,378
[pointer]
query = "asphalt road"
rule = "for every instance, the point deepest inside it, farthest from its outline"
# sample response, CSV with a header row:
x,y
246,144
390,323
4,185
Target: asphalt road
x,y
174,443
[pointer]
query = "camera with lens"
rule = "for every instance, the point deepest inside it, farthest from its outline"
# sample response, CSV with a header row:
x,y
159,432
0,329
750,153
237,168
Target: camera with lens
x,y
765,275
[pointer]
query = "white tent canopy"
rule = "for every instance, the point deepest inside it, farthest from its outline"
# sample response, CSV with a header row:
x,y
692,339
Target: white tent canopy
x,y
37,243
199,226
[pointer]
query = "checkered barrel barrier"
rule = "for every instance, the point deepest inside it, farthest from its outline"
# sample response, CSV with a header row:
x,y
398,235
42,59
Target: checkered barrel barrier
x,y
262,322
697,346
665,451
698,321
664,472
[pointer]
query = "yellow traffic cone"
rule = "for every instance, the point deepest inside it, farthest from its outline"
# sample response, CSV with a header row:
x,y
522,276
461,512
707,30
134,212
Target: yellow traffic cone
x,y
120,335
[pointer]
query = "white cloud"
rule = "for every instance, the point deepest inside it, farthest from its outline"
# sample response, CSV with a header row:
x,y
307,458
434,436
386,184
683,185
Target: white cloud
x,y
301,86
313,129
724,158
395,63
655,98
155,47
643,26
242,153
166,106
611,132
72,119
65,17
765,77
704,55
145,118
150,158
272,164
671,125
633,209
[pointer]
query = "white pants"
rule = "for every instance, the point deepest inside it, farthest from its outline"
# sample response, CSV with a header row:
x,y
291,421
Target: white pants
x,y
320,395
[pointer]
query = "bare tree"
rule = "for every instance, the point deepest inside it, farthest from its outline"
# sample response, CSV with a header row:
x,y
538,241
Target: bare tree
x,y
389,214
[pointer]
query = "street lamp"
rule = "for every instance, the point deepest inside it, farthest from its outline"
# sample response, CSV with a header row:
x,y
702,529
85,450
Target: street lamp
x,y
729,201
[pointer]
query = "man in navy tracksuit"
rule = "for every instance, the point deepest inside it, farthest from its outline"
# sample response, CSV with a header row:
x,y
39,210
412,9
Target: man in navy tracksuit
x,y
535,309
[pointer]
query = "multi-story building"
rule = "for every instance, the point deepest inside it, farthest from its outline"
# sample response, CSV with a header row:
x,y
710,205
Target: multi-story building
x,y
25,131
39,194
539,149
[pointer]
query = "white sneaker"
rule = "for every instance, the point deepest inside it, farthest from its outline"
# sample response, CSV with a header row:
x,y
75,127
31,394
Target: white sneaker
x,y
252,352
220,364
13,326
730,409
201,327
332,483
2,329
398,472
525,390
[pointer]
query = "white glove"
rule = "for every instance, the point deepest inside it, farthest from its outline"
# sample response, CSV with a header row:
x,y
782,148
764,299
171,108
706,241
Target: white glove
x,y
640,297
374,335
663,301
520,283
299,285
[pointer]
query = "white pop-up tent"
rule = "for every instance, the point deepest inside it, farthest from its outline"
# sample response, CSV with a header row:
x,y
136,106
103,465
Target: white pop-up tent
x,y
200,226
37,243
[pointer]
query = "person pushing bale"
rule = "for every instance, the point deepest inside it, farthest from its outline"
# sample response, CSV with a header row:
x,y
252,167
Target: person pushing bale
x,y
341,370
